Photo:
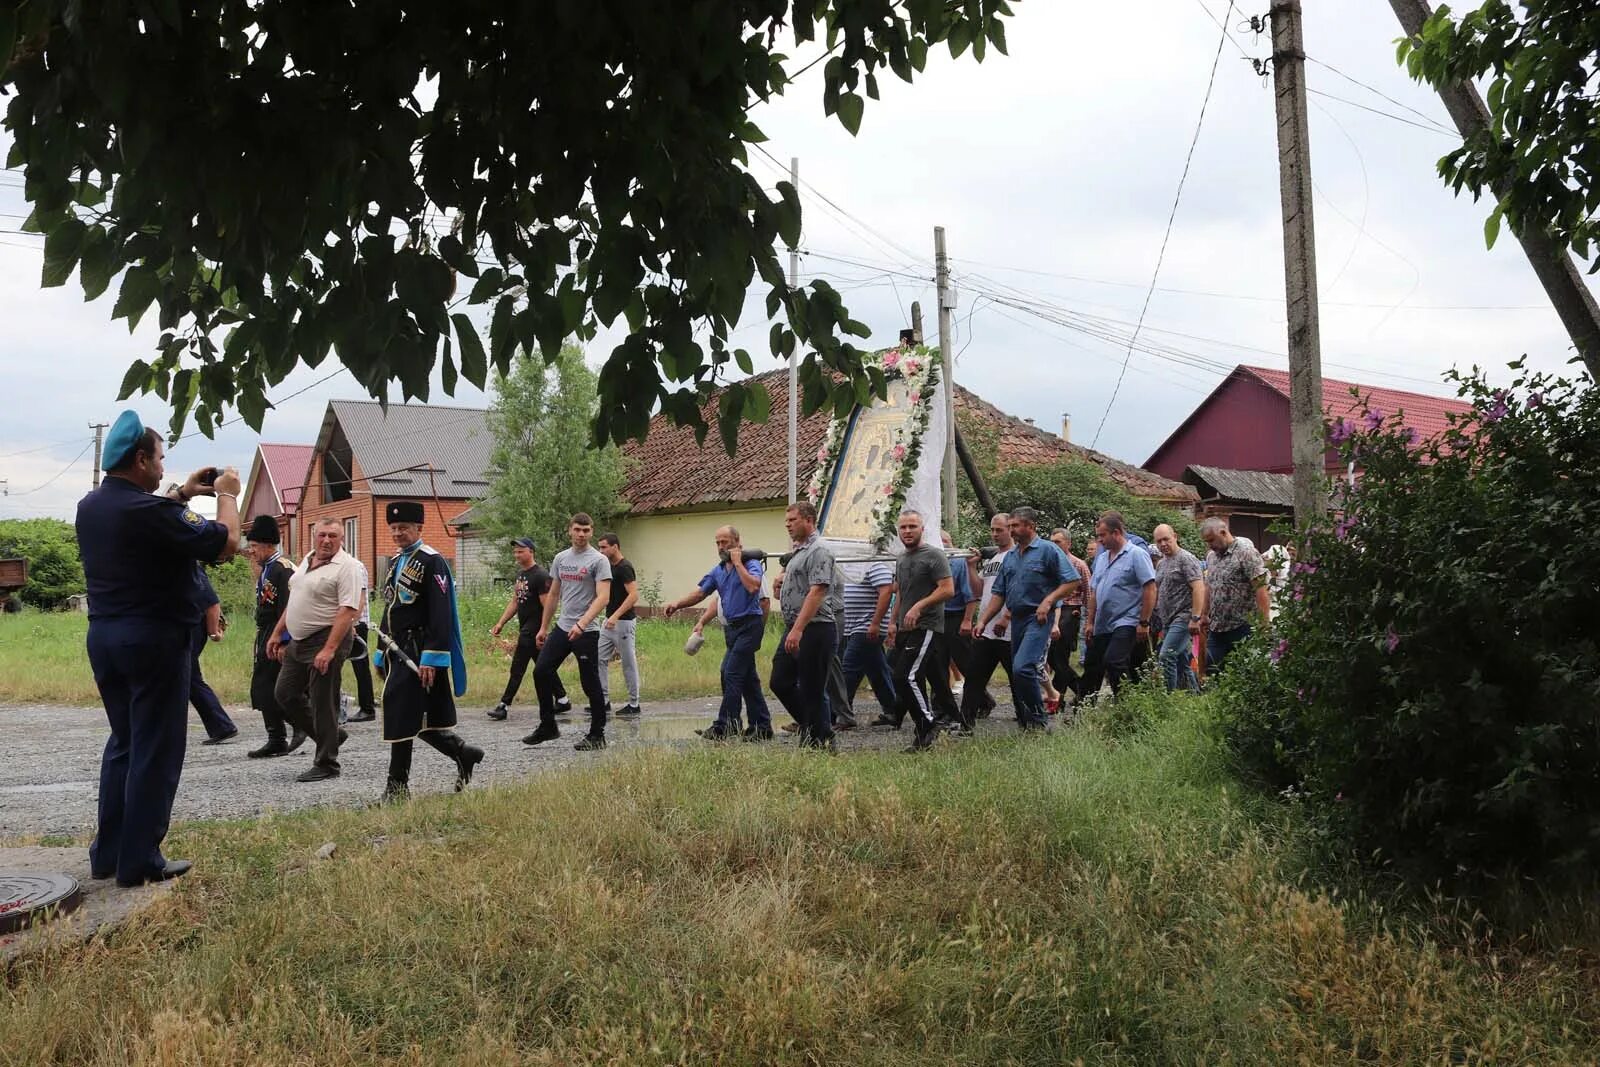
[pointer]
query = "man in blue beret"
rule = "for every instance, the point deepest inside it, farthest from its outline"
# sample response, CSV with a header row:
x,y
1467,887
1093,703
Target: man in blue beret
x,y
139,551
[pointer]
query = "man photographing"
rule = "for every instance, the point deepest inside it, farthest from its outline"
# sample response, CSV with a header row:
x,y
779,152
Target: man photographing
x,y
736,582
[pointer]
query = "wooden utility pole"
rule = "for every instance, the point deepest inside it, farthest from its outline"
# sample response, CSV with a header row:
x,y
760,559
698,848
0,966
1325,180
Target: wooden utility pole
x,y
1306,440
794,359
947,307
99,429
1563,284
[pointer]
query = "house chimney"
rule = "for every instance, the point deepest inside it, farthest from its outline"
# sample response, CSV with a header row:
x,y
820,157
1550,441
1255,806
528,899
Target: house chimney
x,y
1066,426
1028,421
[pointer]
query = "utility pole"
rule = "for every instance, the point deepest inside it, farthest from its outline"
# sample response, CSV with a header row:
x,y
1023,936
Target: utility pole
x,y
99,429
1306,441
794,358
1562,282
916,320
947,307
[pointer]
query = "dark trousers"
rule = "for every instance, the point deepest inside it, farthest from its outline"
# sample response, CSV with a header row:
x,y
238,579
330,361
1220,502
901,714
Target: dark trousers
x,y
837,693
141,667
918,657
1221,642
447,741
987,654
526,652
263,690
864,658
799,679
740,682
309,698
201,695
557,646
361,667
1111,659
1059,660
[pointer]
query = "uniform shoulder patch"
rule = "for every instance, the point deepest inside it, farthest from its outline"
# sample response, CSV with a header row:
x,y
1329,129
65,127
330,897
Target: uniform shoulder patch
x,y
429,549
192,518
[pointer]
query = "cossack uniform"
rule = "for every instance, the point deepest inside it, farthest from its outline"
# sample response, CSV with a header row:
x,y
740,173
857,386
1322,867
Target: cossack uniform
x,y
419,617
272,595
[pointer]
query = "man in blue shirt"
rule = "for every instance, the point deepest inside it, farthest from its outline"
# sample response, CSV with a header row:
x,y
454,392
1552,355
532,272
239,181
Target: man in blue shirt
x,y
219,727
1118,606
1033,578
139,552
737,583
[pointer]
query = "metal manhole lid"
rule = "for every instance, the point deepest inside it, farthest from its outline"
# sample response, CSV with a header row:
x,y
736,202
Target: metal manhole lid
x,y
27,897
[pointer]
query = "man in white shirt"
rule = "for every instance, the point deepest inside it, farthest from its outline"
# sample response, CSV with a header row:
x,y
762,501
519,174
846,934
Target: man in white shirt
x,y
312,640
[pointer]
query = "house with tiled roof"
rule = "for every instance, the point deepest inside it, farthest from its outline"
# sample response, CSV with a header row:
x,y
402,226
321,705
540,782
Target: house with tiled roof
x,y
273,488
1234,447
679,492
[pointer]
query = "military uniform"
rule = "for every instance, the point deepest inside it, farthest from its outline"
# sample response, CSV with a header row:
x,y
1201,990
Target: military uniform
x,y
139,551
419,616
272,593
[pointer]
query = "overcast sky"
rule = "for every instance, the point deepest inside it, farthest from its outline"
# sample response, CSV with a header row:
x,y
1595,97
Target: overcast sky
x,y
1053,172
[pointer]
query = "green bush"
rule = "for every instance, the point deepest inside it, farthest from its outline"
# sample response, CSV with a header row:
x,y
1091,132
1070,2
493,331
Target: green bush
x,y
1074,493
51,548
1432,680
235,583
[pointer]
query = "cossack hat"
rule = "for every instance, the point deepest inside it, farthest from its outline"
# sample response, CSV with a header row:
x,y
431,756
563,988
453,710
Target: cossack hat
x,y
403,511
125,435
263,529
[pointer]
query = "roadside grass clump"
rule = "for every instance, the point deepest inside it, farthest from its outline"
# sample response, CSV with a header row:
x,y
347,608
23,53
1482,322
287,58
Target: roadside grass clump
x,y
1050,900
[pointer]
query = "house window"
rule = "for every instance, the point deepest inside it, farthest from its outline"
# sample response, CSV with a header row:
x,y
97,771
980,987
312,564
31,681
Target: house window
x,y
350,544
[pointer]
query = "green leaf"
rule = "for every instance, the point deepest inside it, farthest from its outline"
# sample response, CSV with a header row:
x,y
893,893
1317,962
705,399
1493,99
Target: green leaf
x,y
138,374
502,336
742,358
1491,226
758,402
474,364
960,37
97,262
997,36
453,252
139,286
61,247
787,215
447,371
850,109
917,52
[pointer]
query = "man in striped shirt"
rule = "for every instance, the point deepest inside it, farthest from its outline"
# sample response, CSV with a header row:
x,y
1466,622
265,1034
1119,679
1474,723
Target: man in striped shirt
x,y
866,622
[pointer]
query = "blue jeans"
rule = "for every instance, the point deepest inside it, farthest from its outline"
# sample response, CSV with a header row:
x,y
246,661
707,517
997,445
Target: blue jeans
x,y
1029,640
739,678
141,667
1174,655
1219,643
864,658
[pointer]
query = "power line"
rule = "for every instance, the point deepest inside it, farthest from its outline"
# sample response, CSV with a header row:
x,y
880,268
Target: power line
x,y
1385,114
41,448
1171,217
1378,92
58,474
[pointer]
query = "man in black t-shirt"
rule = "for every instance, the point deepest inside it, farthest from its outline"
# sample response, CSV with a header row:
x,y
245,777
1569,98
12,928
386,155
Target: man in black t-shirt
x,y
528,594
616,637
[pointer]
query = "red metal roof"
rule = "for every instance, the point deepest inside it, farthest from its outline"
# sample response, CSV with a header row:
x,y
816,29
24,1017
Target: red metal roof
x,y
286,466
1423,413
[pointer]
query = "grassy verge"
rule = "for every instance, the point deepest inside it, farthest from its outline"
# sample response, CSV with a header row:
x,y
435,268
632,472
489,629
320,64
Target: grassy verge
x,y
1070,899
42,660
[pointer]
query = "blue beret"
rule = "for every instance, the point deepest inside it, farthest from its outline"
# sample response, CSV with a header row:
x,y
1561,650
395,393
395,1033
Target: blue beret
x,y
124,437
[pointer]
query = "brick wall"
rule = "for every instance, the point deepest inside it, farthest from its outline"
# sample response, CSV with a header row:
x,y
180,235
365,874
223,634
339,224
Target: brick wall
x,y
372,542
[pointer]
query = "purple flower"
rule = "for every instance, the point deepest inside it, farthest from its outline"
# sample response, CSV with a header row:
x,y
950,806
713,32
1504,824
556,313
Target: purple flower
x,y
1342,528
1373,419
1299,594
1341,431
1278,653
1499,409
1410,436
1308,567
1535,399
1391,640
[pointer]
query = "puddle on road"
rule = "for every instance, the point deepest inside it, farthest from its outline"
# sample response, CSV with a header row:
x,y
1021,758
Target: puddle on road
x,y
662,728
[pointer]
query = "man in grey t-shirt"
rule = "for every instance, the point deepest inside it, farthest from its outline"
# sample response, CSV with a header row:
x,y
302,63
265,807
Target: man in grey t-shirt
x,y
580,585
1180,604
922,585
800,665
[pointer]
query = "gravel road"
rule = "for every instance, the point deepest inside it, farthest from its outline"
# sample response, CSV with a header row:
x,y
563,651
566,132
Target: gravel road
x,y
50,764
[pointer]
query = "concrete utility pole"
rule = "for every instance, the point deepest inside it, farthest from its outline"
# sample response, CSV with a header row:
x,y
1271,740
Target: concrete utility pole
x,y
99,429
1563,284
916,320
947,307
1306,442
794,359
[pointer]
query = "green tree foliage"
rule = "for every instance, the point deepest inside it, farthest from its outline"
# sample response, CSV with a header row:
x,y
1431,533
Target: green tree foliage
x,y
235,583
51,548
1433,676
543,468
1540,156
313,177
1074,493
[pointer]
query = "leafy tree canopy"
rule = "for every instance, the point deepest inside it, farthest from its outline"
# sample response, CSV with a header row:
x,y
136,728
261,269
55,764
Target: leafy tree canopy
x,y
289,179
1541,60
51,548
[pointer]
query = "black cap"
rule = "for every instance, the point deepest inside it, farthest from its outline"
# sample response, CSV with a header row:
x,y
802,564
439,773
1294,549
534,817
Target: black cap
x,y
264,528
523,542
403,511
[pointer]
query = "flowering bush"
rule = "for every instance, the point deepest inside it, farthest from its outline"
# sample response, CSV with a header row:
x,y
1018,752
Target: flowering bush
x,y
1434,676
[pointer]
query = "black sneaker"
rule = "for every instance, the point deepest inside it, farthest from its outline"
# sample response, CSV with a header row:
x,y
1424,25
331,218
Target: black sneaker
x,y
758,733
363,716
224,739
499,712
924,740
629,710
471,756
317,773
545,732
563,706
590,743
883,722
717,733
296,741
275,746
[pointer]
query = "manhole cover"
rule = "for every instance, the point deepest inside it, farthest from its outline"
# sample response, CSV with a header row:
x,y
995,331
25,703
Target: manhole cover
x,y
27,897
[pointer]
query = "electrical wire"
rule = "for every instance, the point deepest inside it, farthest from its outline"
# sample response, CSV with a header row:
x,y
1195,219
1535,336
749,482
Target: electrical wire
x,y
1385,114
1379,92
42,448
1211,81
58,474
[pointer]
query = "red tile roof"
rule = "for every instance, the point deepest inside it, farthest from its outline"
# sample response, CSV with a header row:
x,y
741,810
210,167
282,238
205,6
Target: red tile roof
x,y
668,470
1423,413
286,466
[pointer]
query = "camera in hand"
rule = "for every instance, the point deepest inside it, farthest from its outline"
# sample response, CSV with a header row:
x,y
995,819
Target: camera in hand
x,y
208,476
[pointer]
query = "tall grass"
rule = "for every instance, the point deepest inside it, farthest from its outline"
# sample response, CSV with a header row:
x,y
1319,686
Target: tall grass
x,y
43,661
1070,899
